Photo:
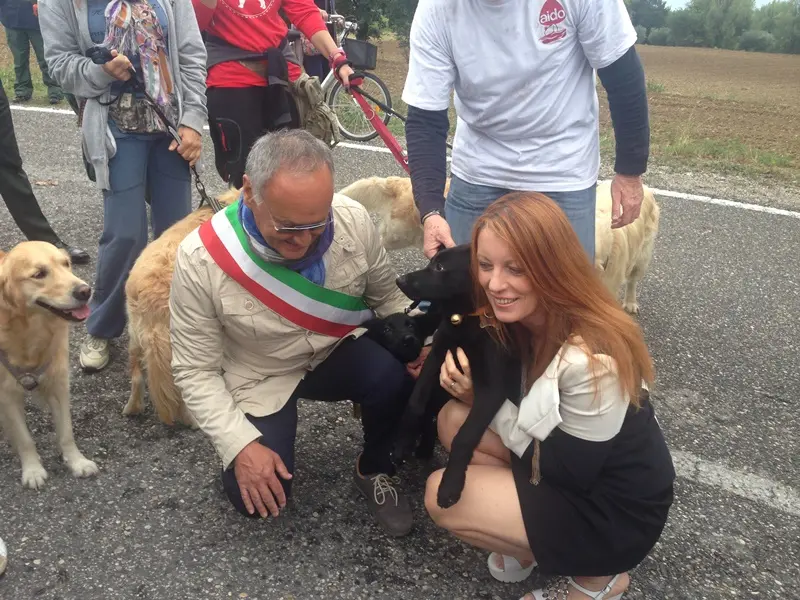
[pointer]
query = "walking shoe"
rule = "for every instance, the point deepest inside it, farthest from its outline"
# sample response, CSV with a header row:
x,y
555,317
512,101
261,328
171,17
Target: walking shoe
x,y
3,557
389,506
78,256
95,354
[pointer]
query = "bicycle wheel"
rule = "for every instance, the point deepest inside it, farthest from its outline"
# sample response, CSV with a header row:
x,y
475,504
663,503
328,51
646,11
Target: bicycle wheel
x,y
353,123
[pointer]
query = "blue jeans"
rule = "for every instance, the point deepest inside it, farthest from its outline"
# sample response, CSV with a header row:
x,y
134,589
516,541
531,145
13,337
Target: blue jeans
x,y
142,161
467,201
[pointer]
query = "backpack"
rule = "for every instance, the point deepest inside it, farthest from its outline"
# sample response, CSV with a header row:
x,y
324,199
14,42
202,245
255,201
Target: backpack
x,y
316,116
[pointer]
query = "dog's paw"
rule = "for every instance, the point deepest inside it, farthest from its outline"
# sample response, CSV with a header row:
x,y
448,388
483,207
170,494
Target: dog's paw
x,y
450,489
34,476
83,467
631,307
135,406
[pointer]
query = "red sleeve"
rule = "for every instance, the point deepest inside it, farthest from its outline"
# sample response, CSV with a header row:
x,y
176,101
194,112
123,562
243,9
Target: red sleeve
x,y
203,14
304,14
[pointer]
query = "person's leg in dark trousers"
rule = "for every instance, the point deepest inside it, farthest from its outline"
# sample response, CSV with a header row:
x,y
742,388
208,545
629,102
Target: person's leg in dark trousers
x,y
16,190
366,373
54,91
279,431
20,50
235,122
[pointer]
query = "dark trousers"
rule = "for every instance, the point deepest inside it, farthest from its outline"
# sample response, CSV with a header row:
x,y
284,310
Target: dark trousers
x,y
15,188
237,117
358,370
20,42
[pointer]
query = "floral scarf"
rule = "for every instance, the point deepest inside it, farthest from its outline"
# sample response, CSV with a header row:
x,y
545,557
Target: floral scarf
x,y
133,29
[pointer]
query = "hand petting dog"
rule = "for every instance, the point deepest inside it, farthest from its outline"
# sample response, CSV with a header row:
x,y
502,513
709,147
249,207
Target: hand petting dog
x,y
457,383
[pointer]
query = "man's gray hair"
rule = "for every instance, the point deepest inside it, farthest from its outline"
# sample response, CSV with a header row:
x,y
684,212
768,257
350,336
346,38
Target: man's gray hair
x,y
292,150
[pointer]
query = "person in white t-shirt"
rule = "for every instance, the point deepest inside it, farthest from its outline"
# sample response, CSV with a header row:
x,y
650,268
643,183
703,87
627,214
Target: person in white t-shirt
x,y
523,73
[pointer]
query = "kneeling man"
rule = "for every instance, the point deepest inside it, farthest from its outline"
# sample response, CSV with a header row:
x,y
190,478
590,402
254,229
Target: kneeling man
x,y
266,301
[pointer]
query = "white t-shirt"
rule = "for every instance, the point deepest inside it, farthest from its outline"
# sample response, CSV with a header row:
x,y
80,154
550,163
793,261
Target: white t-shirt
x,y
524,82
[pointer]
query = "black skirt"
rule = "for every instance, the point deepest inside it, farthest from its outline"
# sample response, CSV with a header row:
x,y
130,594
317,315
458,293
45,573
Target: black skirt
x,y
610,527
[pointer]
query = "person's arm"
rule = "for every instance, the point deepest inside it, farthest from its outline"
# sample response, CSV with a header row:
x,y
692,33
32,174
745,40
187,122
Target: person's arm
x,y
624,83
75,73
426,140
428,87
204,12
607,37
305,16
192,61
196,338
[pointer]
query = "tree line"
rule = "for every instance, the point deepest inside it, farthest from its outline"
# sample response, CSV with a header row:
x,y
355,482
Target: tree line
x,y
728,24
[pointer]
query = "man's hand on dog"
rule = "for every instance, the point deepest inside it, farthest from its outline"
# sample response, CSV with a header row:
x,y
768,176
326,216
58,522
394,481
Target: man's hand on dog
x,y
626,193
457,384
191,145
415,367
436,233
256,467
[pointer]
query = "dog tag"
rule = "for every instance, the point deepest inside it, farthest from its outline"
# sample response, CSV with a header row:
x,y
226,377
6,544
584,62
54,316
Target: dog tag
x,y
28,381
126,101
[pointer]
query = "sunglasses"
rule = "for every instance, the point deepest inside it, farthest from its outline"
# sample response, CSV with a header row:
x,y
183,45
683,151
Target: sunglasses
x,y
291,229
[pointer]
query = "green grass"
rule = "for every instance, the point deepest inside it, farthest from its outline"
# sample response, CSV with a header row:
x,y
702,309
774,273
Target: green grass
x,y
655,87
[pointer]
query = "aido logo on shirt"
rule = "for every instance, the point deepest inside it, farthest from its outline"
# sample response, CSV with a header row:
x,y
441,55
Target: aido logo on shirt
x,y
551,18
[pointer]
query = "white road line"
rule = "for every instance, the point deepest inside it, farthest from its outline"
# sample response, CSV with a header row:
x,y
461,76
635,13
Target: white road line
x,y
382,150
752,487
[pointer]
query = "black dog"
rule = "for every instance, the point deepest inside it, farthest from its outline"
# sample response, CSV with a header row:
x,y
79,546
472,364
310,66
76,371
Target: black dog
x,y
403,336
446,282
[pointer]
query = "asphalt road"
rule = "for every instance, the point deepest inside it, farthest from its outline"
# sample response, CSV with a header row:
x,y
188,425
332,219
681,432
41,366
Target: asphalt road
x,y
720,309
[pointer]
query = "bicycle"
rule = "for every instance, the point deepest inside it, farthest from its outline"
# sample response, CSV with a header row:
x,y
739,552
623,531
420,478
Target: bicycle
x,y
353,124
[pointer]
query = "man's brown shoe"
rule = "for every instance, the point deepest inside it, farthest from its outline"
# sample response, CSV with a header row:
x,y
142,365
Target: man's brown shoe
x,y
389,506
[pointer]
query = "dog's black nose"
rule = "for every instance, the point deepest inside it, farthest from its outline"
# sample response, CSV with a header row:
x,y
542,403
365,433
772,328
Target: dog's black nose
x,y
82,292
409,340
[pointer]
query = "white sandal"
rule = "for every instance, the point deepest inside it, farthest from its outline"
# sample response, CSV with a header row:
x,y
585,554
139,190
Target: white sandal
x,y
3,556
512,571
558,588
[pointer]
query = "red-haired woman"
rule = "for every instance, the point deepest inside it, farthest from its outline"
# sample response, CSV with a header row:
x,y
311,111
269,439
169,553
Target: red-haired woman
x,y
573,475
250,64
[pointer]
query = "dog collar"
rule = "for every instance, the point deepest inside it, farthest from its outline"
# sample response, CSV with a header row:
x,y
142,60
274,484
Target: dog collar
x,y
456,318
27,379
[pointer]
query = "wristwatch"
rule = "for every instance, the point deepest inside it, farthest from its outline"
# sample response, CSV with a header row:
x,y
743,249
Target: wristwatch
x,y
429,214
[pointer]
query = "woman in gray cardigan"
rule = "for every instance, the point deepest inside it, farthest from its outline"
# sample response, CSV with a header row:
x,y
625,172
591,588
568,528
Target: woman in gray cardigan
x,y
123,138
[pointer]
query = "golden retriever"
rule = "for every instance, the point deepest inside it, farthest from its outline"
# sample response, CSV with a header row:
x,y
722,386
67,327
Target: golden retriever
x,y
39,297
147,304
621,255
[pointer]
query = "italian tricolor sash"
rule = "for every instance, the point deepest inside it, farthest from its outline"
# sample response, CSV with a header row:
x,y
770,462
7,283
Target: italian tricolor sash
x,y
289,294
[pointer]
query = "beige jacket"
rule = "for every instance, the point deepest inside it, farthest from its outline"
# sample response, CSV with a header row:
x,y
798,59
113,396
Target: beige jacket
x,y
232,355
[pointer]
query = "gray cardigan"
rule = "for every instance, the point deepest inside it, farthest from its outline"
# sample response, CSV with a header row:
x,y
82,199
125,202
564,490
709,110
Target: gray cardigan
x,y
65,29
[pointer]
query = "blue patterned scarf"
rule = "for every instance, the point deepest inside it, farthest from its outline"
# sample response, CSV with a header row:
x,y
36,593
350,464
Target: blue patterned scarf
x,y
311,266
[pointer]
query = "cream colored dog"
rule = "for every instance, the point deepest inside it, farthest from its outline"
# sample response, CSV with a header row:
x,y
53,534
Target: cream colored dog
x,y
147,299
39,297
621,255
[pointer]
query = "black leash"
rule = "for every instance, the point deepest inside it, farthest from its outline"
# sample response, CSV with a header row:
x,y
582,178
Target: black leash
x,y
100,56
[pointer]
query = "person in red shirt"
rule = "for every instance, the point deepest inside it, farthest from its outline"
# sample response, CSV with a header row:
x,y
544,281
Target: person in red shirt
x,y
250,65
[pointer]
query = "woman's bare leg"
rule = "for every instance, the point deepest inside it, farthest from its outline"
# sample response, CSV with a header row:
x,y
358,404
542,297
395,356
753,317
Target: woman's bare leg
x,y
490,451
488,515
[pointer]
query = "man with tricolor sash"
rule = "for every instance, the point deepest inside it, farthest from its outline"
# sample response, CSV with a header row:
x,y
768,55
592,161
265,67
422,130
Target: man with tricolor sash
x,y
267,298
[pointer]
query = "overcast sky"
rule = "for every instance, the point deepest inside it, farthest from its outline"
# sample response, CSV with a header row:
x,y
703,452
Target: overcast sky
x,y
682,3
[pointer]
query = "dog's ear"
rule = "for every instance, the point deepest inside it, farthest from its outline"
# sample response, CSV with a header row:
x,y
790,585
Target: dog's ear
x,y
9,295
2,255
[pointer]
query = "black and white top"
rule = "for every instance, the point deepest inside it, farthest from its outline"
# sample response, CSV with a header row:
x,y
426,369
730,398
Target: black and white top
x,y
606,473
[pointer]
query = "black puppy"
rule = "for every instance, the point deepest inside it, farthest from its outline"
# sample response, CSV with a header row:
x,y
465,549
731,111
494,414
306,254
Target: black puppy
x,y
399,333
447,283
404,336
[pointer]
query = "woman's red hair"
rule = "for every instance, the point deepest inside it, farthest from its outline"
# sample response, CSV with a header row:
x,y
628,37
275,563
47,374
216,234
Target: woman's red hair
x,y
568,289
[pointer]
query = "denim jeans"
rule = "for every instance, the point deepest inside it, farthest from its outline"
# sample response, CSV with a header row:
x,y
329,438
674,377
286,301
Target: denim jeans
x,y
467,201
142,161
